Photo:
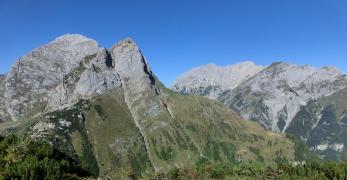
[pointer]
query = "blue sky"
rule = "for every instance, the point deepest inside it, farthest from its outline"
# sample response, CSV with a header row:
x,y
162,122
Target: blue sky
x,y
176,35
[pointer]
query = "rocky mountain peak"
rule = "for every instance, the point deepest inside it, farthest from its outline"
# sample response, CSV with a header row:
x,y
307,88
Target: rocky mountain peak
x,y
127,56
132,55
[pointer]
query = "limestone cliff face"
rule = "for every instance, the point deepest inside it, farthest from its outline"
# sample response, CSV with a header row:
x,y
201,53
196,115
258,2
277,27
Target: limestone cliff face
x,y
38,73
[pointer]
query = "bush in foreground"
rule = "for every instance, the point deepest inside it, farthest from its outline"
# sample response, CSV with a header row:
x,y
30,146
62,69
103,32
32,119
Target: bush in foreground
x,y
36,160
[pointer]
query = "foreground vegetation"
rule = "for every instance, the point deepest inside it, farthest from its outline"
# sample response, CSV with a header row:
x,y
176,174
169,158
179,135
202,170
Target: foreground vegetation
x,y
254,170
36,160
30,159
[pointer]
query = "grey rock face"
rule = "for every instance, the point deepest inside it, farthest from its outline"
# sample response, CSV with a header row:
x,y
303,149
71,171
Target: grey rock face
x,y
211,80
38,73
94,75
275,95
3,112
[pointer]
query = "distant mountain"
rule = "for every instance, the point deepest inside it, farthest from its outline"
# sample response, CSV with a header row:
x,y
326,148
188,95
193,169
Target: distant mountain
x,y
276,94
106,106
212,80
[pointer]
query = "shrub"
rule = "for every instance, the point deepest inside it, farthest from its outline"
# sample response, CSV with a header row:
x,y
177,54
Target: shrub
x,y
35,160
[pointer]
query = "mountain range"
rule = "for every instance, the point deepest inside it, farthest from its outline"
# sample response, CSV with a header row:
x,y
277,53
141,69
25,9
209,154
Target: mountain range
x,y
307,102
106,106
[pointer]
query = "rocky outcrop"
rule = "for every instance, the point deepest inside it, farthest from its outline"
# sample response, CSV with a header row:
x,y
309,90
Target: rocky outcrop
x,y
212,80
37,74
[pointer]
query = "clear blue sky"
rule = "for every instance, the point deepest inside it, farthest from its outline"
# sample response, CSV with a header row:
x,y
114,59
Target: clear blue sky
x,y
176,35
